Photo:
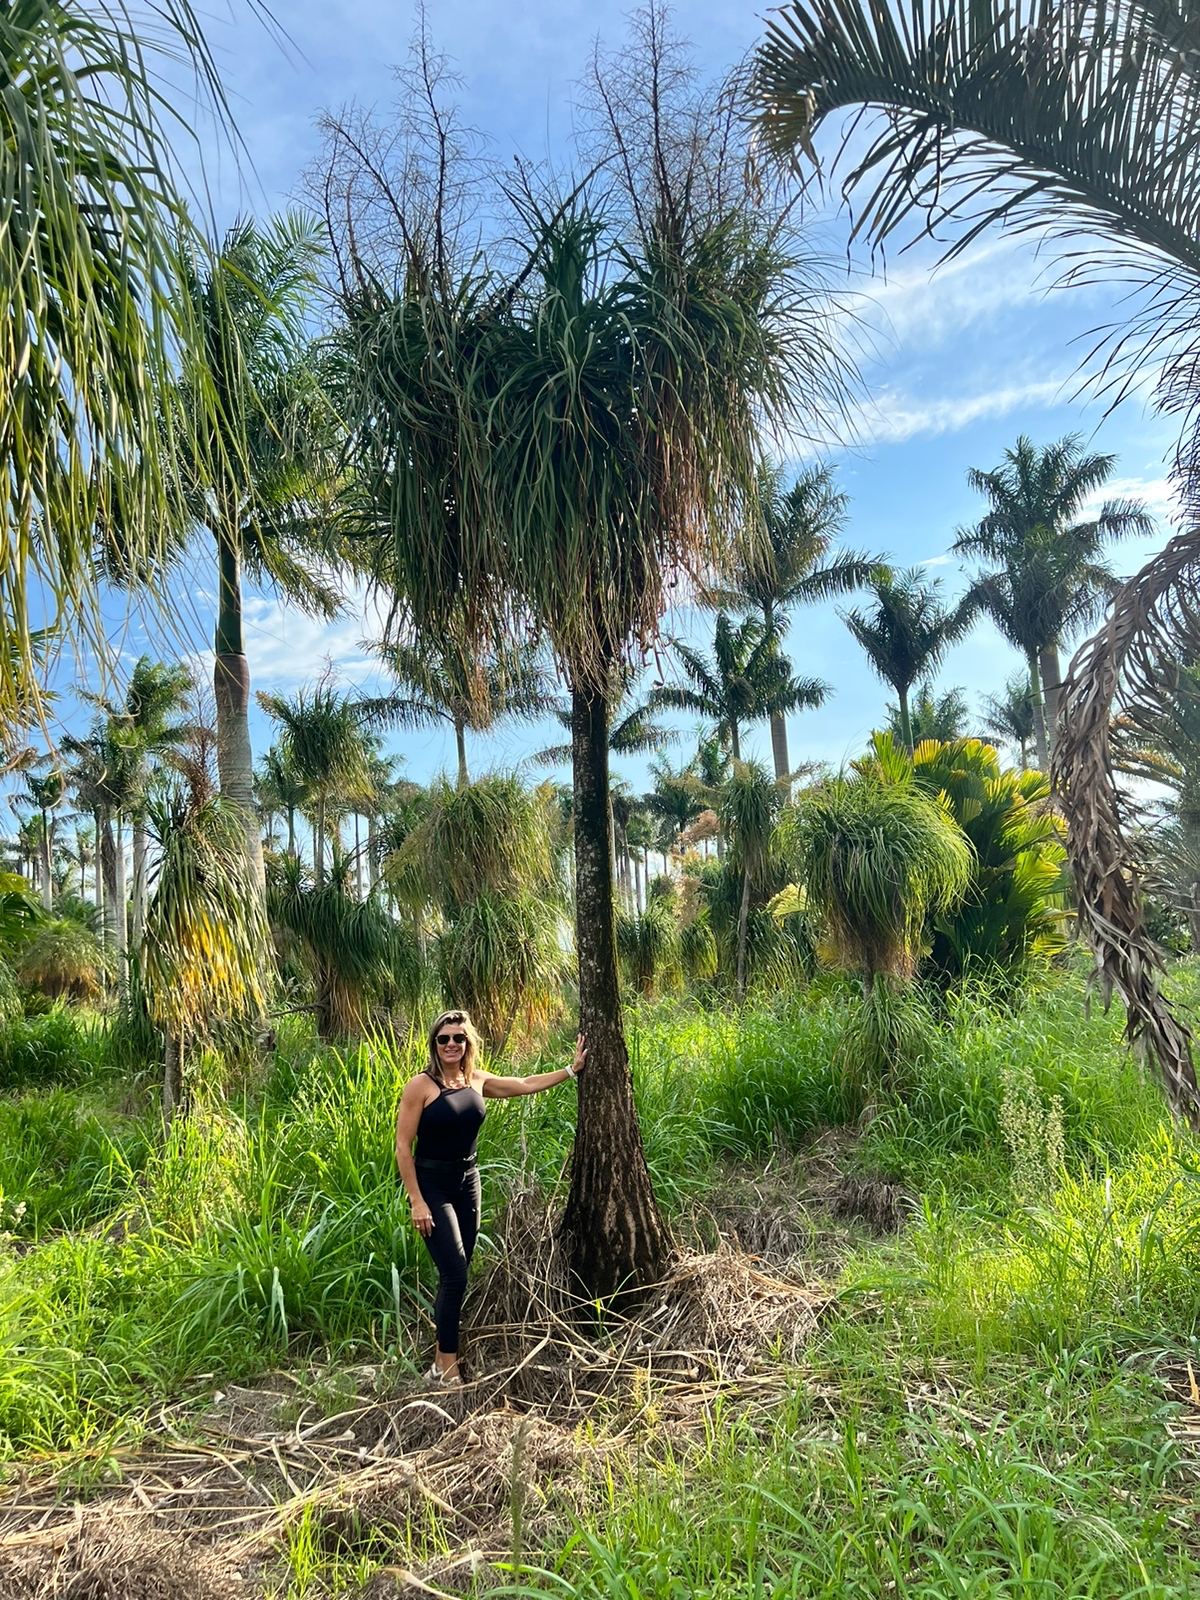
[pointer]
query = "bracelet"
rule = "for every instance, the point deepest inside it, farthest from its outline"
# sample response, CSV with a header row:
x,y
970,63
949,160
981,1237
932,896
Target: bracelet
x,y
570,1071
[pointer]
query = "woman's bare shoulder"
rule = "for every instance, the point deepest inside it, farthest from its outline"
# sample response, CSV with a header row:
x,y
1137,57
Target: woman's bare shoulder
x,y
422,1088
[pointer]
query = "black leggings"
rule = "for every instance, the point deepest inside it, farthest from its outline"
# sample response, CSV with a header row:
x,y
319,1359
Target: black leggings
x,y
454,1201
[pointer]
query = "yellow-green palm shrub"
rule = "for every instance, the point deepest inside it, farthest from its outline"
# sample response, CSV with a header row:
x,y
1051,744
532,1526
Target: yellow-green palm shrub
x,y
1013,913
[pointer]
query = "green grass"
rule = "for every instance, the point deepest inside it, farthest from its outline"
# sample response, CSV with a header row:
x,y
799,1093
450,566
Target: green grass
x,y
979,1417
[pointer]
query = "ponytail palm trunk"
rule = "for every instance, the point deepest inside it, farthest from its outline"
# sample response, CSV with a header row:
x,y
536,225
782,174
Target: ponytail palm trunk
x,y
616,1232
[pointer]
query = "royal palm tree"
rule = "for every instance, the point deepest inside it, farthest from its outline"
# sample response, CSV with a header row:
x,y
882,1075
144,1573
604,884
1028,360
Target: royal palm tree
x,y
1008,718
1047,580
440,679
46,792
250,462
676,799
156,694
94,319
106,775
790,563
907,632
745,679
328,745
931,716
281,788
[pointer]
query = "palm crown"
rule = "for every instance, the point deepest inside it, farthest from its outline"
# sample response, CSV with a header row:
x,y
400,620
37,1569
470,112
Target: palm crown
x,y
907,631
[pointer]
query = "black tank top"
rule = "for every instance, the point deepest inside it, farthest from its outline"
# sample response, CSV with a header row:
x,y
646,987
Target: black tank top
x,y
449,1126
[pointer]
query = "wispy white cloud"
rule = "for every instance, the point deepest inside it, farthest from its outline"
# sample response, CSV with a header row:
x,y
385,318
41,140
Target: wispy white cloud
x,y
892,417
1159,495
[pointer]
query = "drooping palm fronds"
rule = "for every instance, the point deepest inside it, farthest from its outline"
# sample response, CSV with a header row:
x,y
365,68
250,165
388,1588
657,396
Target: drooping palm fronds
x,y
203,955
1013,913
487,859
1154,619
65,960
876,859
93,317
352,946
1072,116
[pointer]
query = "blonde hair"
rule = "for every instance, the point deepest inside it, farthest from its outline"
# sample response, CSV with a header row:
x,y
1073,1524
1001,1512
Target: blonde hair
x,y
470,1054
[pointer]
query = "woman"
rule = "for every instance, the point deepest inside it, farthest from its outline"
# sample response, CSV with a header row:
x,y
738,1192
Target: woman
x,y
442,1110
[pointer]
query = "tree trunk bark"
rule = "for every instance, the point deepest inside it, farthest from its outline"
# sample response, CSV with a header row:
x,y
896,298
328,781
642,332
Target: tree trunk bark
x,y
139,877
231,690
1051,670
47,863
743,924
122,916
615,1236
735,743
98,866
172,1076
905,719
319,846
460,742
291,815
372,850
1040,740
114,909
779,744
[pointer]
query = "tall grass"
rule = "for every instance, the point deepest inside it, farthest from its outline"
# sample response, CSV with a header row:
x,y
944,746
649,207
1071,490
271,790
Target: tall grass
x,y
273,1224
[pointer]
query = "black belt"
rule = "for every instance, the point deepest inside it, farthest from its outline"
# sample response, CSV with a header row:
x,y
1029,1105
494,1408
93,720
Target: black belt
x,y
451,1168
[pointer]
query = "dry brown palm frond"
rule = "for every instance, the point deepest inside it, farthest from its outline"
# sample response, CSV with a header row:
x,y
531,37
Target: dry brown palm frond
x,y
1155,617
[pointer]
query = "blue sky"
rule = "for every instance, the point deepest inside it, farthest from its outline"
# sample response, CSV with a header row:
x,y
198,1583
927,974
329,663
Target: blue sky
x,y
958,361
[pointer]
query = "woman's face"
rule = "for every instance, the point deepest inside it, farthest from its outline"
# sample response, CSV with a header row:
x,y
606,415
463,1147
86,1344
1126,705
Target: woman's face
x,y
451,1041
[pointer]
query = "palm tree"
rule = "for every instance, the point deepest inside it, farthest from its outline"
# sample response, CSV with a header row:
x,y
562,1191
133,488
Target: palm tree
x,y
1008,718
250,460
281,788
442,680
553,448
676,798
790,565
46,793
328,745
488,856
1049,579
876,859
907,632
205,930
94,317
743,680
749,803
155,695
940,717
352,946
106,776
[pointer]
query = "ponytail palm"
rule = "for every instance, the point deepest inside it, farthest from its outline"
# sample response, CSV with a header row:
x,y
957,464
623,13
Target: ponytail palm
x,y
877,859
205,929
555,448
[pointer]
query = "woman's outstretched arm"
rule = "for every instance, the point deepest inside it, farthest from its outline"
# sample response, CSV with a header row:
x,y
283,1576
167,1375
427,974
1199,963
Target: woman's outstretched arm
x,y
495,1088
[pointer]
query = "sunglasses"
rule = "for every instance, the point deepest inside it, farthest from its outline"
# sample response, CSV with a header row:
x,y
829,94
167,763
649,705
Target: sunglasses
x,y
452,1038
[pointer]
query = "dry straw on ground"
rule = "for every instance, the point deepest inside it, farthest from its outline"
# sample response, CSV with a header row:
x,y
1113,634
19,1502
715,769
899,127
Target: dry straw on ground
x,y
202,1509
